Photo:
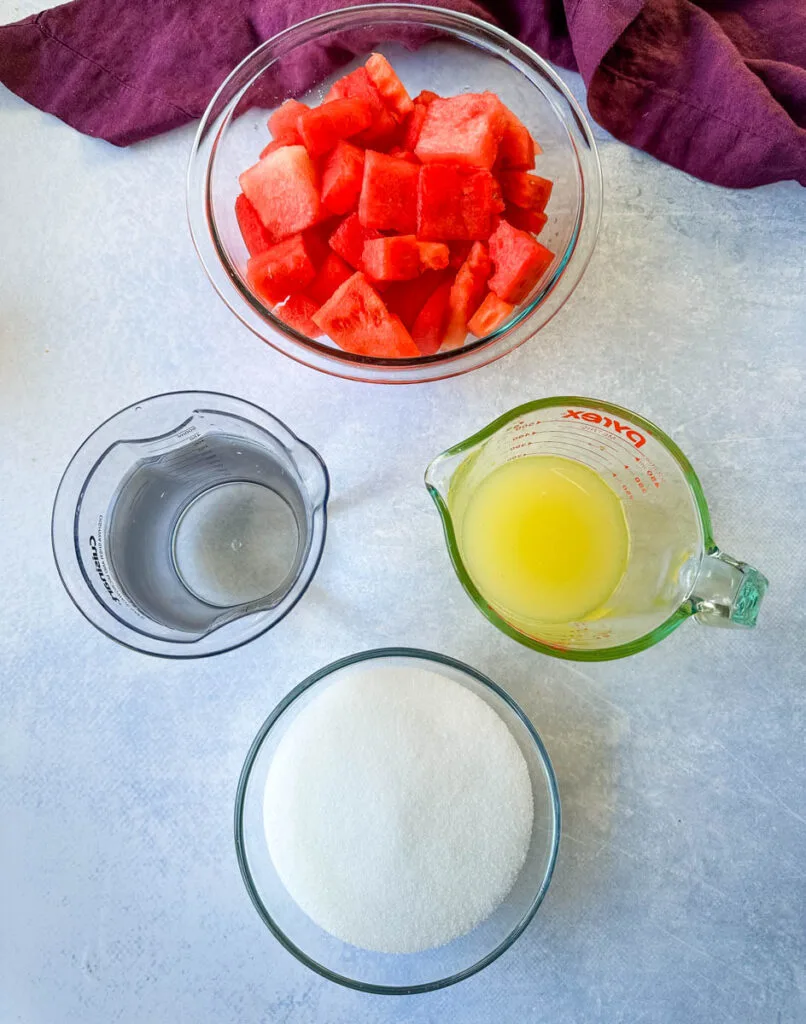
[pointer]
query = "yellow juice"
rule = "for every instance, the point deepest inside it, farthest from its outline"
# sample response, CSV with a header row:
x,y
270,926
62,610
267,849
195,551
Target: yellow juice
x,y
544,539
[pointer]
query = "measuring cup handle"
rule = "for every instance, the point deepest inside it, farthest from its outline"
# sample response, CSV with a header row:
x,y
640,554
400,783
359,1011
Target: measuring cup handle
x,y
727,592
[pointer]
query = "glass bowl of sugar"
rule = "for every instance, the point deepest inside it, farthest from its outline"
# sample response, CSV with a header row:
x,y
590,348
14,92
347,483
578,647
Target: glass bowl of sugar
x,y
397,821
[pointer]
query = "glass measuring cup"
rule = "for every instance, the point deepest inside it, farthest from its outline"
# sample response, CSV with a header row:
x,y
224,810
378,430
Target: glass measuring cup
x,y
189,523
674,569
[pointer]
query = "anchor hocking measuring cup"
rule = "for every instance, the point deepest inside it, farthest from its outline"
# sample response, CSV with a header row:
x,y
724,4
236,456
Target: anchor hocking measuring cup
x,y
189,523
674,569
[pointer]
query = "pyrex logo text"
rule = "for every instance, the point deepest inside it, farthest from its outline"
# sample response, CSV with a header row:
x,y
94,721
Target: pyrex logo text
x,y
620,428
99,570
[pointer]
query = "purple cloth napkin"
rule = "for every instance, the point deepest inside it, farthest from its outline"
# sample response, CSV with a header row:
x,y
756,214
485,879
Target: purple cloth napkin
x,y
715,87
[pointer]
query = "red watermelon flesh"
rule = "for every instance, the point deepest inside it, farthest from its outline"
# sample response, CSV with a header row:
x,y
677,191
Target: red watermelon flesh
x,y
433,255
459,251
412,126
529,191
276,144
385,80
342,175
466,294
283,187
406,298
463,129
283,122
395,258
429,327
517,148
455,202
297,312
278,272
330,276
356,318
527,220
388,199
322,127
359,85
520,261
489,316
349,237
256,238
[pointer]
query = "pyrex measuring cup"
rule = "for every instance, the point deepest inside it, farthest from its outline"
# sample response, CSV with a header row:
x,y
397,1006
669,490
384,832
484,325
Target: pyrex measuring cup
x,y
674,569
189,523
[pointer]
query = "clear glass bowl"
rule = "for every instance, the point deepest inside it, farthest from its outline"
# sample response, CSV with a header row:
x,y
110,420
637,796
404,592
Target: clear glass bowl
x,y
431,49
395,974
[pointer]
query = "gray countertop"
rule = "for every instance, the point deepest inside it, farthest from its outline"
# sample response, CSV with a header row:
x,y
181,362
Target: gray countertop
x,y
680,891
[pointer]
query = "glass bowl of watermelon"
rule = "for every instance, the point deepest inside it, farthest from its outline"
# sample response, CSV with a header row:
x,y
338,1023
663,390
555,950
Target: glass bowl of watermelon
x,y
394,193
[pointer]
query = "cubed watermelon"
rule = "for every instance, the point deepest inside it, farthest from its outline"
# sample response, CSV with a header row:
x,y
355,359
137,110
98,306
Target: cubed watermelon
x,y
429,327
529,191
455,202
283,122
489,316
358,85
395,258
412,126
406,298
520,261
517,148
276,144
330,276
256,238
356,318
389,85
527,220
342,175
284,189
388,199
466,294
297,311
349,237
433,255
463,129
322,127
277,273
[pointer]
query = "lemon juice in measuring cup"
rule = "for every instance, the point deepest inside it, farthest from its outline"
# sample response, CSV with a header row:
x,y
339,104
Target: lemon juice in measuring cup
x,y
581,530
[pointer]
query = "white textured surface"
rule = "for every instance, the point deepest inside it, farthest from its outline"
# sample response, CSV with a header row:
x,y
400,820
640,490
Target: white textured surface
x,y
680,891
398,809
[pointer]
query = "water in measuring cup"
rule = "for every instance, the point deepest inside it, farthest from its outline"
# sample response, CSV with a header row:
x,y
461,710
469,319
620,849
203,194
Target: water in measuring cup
x,y
214,528
544,540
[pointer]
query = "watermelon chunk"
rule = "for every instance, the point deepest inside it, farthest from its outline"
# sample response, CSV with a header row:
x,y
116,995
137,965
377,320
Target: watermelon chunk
x,y
466,294
283,122
527,220
388,199
429,327
412,126
455,202
330,276
322,127
297,312
284,189
396,258
463,129
406,298
520,261
349,237
489,316
342,175
281,270
529,191
433,255
388,85
358,85
256,238
517,148
356,318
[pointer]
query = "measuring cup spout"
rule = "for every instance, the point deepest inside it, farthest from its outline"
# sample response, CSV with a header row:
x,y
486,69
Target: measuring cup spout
x,y
727,592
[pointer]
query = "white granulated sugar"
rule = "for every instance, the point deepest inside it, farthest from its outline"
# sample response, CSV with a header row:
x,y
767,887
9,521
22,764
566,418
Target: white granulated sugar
x,y
398,809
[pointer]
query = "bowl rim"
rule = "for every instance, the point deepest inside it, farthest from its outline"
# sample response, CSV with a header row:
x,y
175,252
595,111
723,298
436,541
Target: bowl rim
x,y
259,319
379,654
